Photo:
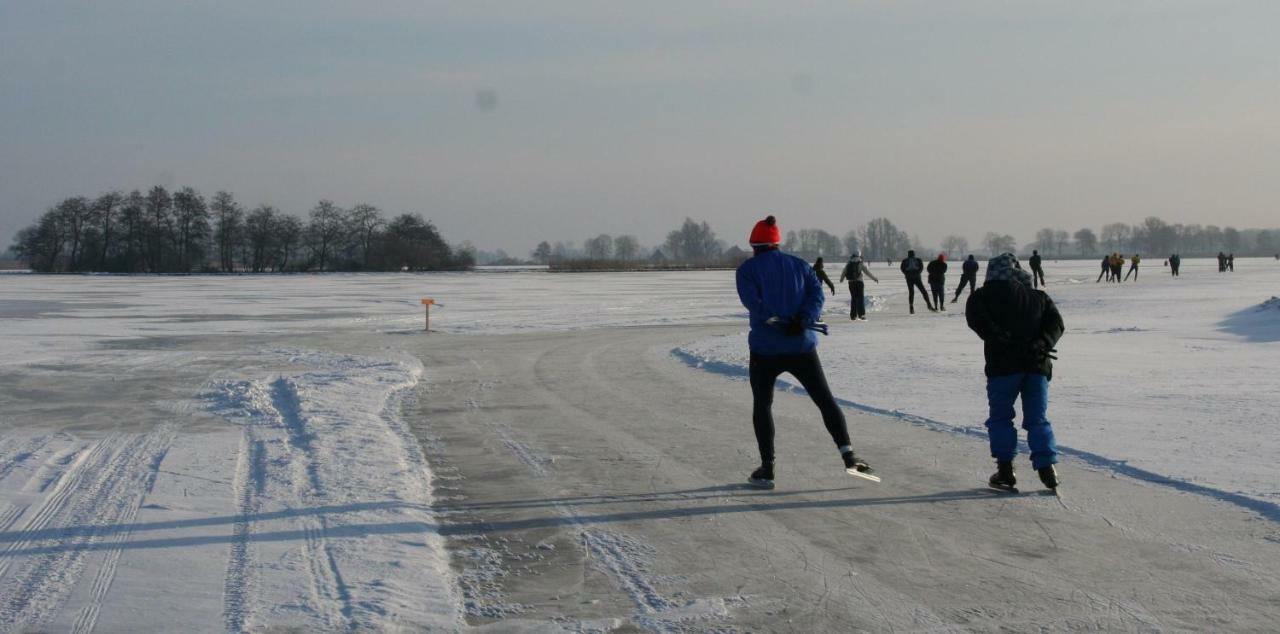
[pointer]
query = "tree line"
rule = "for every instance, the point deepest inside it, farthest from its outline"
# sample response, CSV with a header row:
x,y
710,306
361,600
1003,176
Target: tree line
x,y
696,244
183,232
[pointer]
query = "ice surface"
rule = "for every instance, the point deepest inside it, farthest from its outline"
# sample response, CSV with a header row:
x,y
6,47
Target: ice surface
x,y
258,486
1175,376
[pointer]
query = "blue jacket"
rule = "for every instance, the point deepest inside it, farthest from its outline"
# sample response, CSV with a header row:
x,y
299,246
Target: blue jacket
x,y
774,284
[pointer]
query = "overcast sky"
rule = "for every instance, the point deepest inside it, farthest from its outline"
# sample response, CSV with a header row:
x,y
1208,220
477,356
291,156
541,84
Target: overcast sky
x,y
515,121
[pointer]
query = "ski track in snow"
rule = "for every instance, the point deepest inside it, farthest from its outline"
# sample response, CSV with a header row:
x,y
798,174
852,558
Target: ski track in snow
x,y
99,493
331,440
240,582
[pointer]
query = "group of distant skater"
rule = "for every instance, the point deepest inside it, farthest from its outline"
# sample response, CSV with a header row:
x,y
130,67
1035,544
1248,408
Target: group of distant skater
x,y
1113,266
1018,324
915,272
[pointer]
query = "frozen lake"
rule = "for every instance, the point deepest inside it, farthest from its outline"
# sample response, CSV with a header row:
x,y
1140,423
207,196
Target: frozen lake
x,y
221,442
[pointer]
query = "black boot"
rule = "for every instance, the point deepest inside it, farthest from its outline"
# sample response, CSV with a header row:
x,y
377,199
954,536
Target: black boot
x,y
1004,478
851,461
856,466
762,478
1049,476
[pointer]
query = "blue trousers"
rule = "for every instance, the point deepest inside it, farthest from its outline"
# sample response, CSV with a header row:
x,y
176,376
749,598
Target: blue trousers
x,y
1002,391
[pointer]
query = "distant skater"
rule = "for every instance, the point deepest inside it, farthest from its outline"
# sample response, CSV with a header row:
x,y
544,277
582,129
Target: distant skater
x,y
1117,267
1175,261
1106,269
1231,262
1037,272
784,298
822,276
1019,327
937,271
1222,262
912,267
968,275
853,271
1133,267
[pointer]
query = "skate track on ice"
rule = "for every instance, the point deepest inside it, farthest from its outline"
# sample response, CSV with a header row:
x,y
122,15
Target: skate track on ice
x,y
594,479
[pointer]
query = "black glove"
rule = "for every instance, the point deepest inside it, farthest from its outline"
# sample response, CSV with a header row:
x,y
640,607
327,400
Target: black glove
x,y
1042,350
794,327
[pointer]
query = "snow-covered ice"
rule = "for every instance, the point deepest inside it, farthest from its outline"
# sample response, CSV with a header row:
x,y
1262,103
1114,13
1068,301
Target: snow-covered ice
x,y
201,442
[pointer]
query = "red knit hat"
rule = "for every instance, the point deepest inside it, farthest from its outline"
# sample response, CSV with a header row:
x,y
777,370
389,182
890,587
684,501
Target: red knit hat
x,y
766,232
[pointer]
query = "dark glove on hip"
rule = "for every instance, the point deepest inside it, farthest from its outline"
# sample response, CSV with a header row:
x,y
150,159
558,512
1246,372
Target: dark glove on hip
x,y
795,327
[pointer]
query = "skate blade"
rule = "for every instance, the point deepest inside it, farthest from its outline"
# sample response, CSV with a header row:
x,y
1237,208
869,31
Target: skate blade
x,y
760,484
1006,489
863,475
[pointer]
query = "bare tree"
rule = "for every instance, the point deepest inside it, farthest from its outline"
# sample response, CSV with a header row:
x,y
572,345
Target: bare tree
x,y
693,243
106,210
626,247
999,243
955,246
191,220
542,253
228,219
324,232
882,240
1086,241
599,247
365,221
1116,236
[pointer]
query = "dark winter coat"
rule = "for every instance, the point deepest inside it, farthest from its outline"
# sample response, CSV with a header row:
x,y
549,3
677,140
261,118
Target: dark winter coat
x,y
937,272
822,277
912,267
970,268
1035,262
774,284
1017,324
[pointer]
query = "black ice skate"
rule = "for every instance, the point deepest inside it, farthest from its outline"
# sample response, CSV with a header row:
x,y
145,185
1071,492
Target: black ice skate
x,y
1049,476
1003,478
856,466
762,478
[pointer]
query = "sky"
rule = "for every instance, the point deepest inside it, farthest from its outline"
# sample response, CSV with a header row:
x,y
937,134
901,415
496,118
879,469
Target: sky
x,y
511,122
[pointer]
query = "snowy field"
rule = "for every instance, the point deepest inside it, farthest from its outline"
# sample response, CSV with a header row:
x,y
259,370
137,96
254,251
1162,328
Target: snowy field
x,y
220,443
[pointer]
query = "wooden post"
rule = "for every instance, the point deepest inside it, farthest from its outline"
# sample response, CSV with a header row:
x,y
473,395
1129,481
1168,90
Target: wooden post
x,y
426,305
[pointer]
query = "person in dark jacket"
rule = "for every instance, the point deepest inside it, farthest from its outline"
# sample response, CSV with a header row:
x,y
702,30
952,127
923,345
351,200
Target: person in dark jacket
x,y
968,275
1175,261
1231,262
937,271
784,298
822,275
1019,327
912,268
1037,272
1106,269
1222,262
853,271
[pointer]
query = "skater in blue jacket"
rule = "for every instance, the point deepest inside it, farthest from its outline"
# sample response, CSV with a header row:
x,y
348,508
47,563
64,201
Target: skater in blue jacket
x,y
784,299
1019,327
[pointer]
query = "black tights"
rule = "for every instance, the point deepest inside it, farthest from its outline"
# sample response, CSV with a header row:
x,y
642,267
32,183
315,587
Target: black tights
x,y
912,284
807,369
967,279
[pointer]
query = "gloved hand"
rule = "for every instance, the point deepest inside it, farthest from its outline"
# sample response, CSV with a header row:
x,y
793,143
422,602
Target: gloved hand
x,y
795,326
1042,350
